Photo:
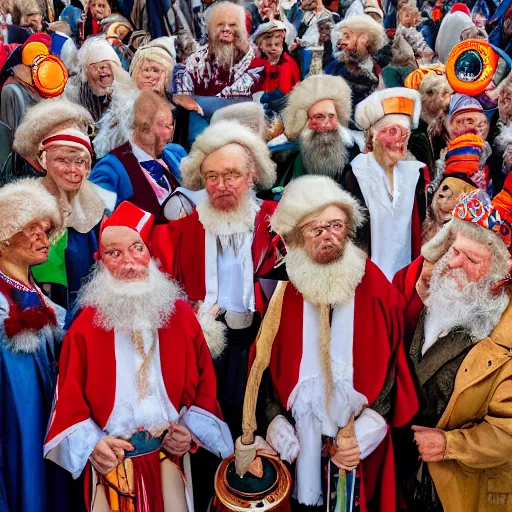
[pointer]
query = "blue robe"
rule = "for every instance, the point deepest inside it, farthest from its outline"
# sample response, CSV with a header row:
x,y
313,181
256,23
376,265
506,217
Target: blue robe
x,y
28,482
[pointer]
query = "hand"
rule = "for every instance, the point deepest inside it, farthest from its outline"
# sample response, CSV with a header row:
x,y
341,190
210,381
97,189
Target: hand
x,y
294,45
431,443
246,453
177,440
108,453
189,103
282,437
423,283
348,454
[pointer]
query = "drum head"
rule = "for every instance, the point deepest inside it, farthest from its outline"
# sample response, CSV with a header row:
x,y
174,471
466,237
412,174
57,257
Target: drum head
x,y
251,485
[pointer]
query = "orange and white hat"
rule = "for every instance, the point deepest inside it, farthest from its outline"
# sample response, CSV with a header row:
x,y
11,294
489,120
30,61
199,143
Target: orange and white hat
x,y
130,216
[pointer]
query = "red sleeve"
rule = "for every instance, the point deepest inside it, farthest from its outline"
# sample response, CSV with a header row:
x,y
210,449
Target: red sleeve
x,y
164,240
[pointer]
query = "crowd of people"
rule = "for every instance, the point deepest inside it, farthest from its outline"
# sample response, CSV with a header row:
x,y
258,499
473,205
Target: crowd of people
x,y
255,255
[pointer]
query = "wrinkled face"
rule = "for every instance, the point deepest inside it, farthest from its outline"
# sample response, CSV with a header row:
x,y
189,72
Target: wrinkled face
x,y
322,117
30,246
447,196
325,234
505,105
99,9
469,122
124,253
435,102
150,75
469,258
391,142
353,43
34,21
68,167
100,77
228,176
272,46
156,135
226,26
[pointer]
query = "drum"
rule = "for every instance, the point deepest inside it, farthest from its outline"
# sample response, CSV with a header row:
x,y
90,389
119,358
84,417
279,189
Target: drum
x,y
235,494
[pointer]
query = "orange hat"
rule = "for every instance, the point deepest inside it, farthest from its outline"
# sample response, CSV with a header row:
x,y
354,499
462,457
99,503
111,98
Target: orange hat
x,y
463,157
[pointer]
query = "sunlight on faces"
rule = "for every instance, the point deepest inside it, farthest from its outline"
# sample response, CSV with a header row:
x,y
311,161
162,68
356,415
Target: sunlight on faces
x,y
99,9
150,75
468,122
390,144
67,166
322,116
226,25
469,260
325,234
272,46
228,175
124,253
100,77
30,246
446,198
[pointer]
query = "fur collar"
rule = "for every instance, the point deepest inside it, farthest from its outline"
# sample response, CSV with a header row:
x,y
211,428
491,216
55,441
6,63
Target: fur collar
x,y
333,283
234,222
83,210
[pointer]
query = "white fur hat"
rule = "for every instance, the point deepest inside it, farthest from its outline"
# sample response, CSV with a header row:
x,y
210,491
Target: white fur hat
x,y
247,113
45,119
404,105
309,194
25,201
364,24
310,91
219,135
94,50
160,50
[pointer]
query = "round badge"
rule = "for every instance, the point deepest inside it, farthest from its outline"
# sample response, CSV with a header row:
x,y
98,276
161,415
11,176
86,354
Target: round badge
x,y
471,66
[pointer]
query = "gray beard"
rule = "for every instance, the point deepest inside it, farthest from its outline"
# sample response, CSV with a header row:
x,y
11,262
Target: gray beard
x,y
473,308
127,306
225,54
323,153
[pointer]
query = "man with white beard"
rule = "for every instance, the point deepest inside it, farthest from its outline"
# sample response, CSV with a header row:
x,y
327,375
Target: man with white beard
x,y
221,250
136,390
461,352
333,336
219,72
316,117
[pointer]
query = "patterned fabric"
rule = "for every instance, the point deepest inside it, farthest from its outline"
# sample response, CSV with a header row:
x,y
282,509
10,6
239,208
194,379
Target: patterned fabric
x,y
202,76
476,207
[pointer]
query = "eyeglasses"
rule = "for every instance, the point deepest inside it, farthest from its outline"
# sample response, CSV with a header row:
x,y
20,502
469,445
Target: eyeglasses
x,y
318,230
227,177
71,162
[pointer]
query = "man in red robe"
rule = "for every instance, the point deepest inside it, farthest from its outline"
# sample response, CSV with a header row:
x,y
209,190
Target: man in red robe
x,y
136,390
219,252
337,354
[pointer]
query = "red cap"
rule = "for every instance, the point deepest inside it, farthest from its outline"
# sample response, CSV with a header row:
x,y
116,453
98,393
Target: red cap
x,y
130,216
460,7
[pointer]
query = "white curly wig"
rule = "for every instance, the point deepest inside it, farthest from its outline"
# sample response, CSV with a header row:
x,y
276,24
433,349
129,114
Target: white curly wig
x,y
362,24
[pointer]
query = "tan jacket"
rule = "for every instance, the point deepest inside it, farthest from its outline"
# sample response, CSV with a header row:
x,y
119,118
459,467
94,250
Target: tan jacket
x,y
476,475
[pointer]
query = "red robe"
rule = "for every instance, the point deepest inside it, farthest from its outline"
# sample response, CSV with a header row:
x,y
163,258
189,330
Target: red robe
x,y
179,245
378,354
86,386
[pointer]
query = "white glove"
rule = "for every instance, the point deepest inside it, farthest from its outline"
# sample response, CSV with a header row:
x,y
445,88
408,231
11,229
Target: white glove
x,y
246,453
282,437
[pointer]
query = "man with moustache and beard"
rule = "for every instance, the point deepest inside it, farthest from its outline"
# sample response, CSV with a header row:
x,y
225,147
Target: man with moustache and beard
x,y
391,187
218,73
316,118
461,352
328,363
357,39
136,389
221,250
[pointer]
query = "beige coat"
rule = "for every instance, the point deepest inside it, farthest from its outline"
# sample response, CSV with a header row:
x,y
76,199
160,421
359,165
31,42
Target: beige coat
x,y
476,475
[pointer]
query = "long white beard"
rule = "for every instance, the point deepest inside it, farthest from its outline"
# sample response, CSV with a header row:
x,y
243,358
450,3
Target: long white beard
x,y
130,305
473,307
331,283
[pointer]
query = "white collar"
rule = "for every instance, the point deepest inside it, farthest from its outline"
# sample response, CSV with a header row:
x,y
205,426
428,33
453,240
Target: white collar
x,y
140,154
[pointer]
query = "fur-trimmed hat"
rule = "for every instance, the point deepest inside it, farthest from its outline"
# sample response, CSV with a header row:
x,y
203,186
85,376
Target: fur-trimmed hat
x,y
219,135
94,50
404,105
309,92
309,194
23,202
44,120
247,113
363,24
